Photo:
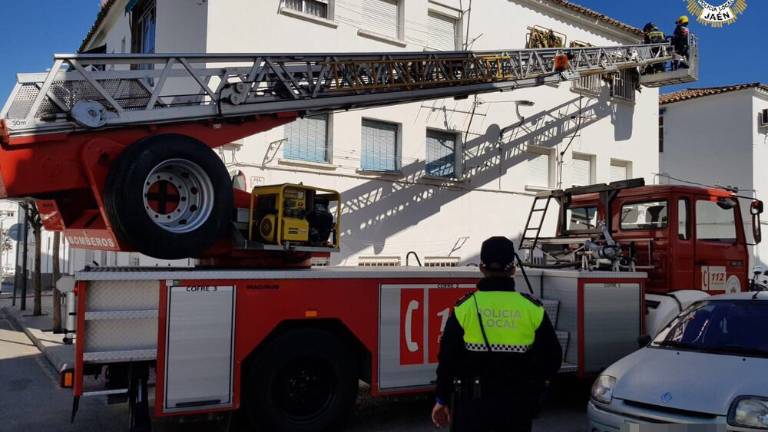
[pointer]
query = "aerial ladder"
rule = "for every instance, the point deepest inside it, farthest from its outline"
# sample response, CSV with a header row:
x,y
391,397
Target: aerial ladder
x,y
117,149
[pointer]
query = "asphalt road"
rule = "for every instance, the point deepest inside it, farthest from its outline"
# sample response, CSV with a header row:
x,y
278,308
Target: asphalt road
x,y
31,401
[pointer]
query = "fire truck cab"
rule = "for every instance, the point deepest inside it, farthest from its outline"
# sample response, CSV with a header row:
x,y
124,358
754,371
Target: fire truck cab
x,y
689,240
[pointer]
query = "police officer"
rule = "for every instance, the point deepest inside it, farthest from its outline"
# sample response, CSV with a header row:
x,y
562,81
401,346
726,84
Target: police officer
x,y
496,353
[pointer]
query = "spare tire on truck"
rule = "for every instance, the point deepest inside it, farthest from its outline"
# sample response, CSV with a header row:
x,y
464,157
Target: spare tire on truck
x,y
169,197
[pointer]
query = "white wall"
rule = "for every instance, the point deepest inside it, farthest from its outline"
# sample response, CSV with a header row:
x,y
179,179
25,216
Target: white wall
x,y
391,215
759,172
715,140
709,140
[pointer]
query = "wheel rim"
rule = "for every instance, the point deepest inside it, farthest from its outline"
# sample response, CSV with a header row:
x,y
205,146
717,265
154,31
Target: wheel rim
x,y
178,195
304,388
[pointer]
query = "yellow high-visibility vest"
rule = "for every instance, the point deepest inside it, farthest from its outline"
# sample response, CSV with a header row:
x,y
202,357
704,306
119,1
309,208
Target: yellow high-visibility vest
x,y
510,321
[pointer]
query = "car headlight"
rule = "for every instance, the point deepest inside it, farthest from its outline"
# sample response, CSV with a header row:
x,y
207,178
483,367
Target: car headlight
x,y
602,389
749,411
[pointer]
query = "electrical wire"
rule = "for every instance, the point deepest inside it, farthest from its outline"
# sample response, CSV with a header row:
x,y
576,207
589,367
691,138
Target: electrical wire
x,y
691,182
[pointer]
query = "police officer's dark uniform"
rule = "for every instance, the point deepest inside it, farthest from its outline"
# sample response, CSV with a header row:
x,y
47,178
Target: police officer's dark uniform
x,y
493,373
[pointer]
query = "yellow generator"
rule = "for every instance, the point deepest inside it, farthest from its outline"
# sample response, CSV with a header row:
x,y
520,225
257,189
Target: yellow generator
x,y
290,214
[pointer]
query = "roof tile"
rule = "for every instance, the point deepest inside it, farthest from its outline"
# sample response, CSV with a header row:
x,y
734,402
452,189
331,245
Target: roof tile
x,y
105,8
594,14
694,93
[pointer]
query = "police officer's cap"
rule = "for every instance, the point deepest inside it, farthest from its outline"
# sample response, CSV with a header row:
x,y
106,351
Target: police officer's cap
x,y
497,253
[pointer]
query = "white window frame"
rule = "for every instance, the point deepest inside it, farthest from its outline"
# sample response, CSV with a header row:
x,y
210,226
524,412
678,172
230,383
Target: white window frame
x,y
288,4
450,13
592,159
329,20
457,145
542,151
398,146
399,38
328,143
627,165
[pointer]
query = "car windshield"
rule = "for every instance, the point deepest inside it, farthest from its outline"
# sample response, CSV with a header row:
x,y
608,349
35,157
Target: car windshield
x,y
720,326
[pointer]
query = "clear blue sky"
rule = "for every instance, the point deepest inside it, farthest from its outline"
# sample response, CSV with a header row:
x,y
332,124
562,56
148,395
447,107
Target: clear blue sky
x,y
32,31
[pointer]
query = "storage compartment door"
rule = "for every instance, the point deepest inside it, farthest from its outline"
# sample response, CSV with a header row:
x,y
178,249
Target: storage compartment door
x,y
199,348
612,315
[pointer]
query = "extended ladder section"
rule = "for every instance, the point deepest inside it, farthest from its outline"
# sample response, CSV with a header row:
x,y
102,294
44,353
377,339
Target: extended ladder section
x,y
83,92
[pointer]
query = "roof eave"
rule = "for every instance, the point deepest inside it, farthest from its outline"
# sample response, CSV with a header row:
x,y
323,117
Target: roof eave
x,y
630,34
759,89
104,13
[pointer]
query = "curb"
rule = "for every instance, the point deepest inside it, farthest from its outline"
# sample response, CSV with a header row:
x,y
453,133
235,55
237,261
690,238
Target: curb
x,y
12,316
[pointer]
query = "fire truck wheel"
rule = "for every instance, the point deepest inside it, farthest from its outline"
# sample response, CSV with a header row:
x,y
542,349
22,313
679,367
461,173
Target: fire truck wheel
x,y
303,381
169,196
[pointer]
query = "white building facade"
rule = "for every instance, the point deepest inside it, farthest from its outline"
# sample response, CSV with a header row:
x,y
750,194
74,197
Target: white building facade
x,y
718,136
436,177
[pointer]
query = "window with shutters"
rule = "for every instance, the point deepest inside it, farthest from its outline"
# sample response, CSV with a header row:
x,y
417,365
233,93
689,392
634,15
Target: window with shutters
x,y
318,8
379,146
443,32
624,84
383,17
306,139
582,173
620,170
539,168
441,154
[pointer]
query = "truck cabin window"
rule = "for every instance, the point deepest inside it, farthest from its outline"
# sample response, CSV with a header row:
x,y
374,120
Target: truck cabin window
x,y
582,219
715,222
644,215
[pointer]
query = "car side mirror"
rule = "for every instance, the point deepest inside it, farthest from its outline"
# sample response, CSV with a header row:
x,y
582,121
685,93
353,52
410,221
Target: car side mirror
x,y
756,209
643,341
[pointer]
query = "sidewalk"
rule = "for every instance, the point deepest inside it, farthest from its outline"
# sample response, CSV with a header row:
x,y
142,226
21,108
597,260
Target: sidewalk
x,y
38,329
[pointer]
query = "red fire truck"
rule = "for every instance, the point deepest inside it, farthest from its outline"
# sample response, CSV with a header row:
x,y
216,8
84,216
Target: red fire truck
x,y
254,327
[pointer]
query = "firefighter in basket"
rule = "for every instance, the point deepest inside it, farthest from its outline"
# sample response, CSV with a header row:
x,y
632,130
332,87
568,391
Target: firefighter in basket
x,y
497,352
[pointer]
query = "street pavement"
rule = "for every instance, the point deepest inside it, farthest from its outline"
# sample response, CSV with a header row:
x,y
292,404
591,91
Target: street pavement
x,y
31,400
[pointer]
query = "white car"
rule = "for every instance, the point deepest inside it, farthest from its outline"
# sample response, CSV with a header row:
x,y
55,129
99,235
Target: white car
x,y
708,367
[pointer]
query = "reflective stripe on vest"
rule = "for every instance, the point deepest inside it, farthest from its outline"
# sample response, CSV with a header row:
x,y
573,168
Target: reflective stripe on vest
x,y
656,37
510,321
